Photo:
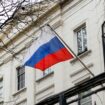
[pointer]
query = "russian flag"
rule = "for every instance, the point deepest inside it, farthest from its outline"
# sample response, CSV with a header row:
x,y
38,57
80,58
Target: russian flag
x,y
46,51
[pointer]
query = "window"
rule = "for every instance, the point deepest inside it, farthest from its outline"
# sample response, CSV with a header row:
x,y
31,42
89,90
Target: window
x,y
85,101
47,71
81,39
20,77
1,88
40,74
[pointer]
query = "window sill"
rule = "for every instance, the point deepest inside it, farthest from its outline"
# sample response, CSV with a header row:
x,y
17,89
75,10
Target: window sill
x,y
81,56
21,100
19,91
45,89
44,77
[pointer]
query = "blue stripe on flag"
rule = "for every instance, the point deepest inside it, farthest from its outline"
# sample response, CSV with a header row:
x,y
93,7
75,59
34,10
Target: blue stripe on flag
x,y
48,48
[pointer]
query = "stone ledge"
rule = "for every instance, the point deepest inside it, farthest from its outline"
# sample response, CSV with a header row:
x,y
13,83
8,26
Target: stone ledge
x,y
45,89
81,56
19,91
44,77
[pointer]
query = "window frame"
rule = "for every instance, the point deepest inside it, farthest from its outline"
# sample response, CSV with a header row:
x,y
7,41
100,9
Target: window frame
x,y
76,31
47,71
41,75
20,77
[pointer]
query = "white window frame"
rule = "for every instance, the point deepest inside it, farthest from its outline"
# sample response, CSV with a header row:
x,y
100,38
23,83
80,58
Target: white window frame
x,y
81,36
47,71
42,74
22,76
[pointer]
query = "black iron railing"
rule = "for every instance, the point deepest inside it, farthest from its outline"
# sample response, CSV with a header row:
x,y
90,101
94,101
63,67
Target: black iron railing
x,y
62,97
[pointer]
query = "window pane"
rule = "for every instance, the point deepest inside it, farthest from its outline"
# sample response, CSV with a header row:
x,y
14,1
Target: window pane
x,y
21,70
48,71
84,38
21,84
81,40
21,77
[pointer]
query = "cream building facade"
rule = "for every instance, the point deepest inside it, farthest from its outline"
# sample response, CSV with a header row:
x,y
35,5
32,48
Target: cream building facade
x,y
78,22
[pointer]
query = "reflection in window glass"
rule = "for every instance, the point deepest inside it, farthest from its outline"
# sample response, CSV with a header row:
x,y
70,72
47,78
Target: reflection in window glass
x,y
81,40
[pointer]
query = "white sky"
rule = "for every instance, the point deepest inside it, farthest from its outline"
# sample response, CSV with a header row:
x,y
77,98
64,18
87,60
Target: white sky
x,y
10,6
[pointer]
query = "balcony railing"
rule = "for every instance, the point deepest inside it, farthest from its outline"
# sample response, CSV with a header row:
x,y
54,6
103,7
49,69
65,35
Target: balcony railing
x,y
62,97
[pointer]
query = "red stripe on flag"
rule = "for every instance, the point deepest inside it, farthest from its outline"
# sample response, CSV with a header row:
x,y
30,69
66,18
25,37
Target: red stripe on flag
x,y
51,59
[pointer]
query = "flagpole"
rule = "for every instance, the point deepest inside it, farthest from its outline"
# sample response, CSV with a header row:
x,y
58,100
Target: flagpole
x,y
71,51
35,86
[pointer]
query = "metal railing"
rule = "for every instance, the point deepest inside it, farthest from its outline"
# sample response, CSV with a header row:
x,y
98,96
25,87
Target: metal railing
x,y
62,97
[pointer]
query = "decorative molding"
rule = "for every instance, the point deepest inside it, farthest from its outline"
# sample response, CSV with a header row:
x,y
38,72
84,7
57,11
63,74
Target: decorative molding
x,y
81,74
21,100
20,91
81,79
45,96
81,56
45,77
48,91
81,70
45,89
57,24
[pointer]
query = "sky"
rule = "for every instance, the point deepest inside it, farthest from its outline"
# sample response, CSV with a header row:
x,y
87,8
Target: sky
x,y
7,8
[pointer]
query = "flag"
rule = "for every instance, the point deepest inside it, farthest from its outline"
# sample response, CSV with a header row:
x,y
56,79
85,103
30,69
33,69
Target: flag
x,y
46,51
